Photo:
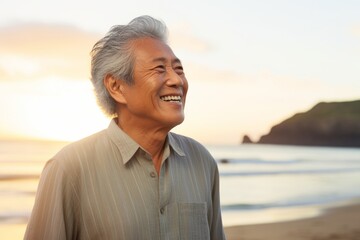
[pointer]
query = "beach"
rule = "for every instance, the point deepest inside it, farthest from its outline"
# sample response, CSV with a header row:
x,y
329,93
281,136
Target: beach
x,y
266,191
336,223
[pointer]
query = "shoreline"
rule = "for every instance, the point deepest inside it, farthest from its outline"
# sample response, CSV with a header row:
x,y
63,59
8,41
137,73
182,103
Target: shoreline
x,y
336,222
339,222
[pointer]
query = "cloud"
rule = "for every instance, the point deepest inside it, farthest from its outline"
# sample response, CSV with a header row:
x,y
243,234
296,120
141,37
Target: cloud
x,y
203,73
182,37
355,30
36,50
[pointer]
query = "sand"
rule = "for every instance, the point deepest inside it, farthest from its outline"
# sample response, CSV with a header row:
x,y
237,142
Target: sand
x,y
339,223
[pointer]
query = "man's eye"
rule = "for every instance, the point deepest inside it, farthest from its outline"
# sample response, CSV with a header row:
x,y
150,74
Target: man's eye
x,y
160,68
179,70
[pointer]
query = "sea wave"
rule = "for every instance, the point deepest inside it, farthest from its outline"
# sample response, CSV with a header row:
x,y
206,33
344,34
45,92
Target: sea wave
x,y
296,202
288,172
284,162
256,161
14,177
14,217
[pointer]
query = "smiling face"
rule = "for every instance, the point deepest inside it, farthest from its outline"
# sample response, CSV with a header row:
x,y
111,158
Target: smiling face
x,y
157,96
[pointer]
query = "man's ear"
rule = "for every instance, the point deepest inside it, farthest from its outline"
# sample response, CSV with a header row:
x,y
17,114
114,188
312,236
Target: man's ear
x,y
115,88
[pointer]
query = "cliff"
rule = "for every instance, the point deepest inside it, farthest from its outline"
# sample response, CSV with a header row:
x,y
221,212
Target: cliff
x,y
326,124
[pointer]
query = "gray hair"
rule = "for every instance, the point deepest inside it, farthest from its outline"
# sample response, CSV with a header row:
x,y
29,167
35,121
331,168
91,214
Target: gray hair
x,y
113,55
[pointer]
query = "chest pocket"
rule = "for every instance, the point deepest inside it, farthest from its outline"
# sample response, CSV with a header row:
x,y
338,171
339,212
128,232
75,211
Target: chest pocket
x,y
193,221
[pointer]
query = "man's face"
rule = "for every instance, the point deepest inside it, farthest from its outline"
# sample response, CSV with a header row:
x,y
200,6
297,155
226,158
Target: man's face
x,y
157,97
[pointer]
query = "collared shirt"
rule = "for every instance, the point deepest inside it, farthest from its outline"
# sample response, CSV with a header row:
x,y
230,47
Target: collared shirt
x,y
106,187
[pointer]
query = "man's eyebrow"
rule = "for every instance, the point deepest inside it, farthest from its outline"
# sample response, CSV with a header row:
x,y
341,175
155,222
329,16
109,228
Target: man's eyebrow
x,y
162,59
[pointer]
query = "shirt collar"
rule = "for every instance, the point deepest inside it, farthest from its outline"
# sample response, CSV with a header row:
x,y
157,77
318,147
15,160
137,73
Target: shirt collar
x,y
175,145
128,147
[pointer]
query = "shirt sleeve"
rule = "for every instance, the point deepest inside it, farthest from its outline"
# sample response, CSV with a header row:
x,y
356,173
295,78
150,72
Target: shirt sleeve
x,y
217,230
53,213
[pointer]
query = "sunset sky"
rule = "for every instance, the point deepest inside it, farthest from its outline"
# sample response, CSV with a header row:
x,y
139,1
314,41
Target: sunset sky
x,y
250,64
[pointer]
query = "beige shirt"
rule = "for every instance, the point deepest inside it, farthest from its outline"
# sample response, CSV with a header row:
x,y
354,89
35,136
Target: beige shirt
x,y
106,187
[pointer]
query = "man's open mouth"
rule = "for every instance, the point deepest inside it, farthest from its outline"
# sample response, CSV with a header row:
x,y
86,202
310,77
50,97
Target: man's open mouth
x,y
171,98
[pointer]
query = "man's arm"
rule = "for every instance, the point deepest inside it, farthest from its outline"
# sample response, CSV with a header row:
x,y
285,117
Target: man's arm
x,y
50,217
217,230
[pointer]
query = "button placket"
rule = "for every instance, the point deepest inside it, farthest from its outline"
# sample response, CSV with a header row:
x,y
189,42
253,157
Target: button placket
x,y
152,174
146,161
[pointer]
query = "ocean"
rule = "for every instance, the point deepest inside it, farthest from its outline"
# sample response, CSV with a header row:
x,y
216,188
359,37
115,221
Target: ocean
x,y
258,183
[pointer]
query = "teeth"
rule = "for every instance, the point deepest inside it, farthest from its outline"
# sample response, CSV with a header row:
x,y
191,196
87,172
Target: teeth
x,y
171,98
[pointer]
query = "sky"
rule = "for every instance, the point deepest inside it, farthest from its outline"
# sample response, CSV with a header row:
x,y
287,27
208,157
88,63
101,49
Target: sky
x,y
250,64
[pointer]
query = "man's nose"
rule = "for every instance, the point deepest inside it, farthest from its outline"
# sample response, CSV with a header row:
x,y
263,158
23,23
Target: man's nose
x,y
174,79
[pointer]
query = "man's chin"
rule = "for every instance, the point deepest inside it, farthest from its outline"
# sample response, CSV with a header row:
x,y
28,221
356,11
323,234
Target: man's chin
x,y
175,123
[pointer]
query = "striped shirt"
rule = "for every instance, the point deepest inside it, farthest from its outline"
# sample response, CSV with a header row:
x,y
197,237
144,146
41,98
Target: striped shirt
x,y
106,187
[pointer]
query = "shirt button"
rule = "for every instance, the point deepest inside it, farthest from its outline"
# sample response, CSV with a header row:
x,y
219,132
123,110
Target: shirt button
x,y
162,210
152,174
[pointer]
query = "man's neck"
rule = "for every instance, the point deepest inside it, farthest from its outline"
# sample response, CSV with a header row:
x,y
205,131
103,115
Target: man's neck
x,y
152,140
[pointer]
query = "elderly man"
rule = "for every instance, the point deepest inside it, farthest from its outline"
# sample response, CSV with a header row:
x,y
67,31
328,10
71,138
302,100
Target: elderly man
x,y
136,179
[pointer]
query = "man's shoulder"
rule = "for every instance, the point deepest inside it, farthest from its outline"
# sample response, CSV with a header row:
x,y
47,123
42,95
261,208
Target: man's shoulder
x,y
83,147
184,140
190,145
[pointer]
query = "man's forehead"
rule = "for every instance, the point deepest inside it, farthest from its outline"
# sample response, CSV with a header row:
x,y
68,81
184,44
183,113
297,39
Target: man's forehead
x,y
154,50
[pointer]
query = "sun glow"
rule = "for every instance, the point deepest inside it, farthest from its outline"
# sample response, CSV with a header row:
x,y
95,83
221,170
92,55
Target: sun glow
x,y
51,108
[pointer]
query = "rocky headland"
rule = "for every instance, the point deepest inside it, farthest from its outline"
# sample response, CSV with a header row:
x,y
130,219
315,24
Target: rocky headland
x,y
326,124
